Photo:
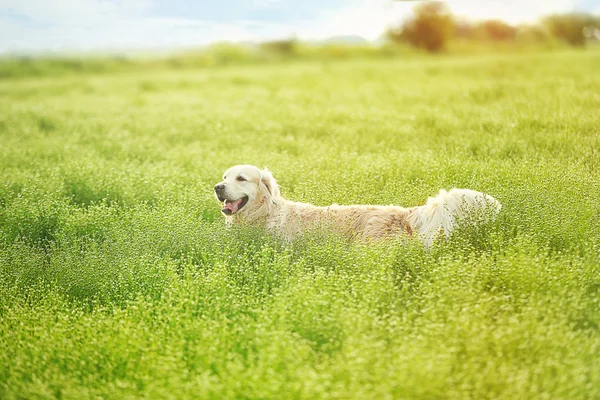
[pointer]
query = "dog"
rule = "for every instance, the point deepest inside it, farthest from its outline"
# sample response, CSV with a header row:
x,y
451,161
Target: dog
x,y
251,196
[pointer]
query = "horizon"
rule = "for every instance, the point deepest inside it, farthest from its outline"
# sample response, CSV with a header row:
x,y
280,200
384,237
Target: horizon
x,y
36,26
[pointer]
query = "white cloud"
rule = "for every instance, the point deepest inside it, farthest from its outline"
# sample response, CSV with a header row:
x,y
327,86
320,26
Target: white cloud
x,y
513,11
74,12
368,19
266,3
62,25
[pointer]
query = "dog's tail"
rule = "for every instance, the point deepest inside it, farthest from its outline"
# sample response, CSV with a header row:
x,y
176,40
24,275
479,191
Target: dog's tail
x,y
441,214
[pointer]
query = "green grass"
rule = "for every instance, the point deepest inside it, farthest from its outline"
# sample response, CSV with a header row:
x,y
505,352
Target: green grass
x,y
118,279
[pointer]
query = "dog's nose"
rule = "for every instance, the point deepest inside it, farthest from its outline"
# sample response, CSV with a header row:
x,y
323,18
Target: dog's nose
x,y
219,188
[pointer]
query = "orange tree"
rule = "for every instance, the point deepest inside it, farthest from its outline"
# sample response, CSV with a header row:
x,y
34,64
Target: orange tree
x,y
430,28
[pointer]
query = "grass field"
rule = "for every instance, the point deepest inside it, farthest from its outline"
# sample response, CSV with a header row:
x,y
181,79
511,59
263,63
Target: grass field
x,y
117,279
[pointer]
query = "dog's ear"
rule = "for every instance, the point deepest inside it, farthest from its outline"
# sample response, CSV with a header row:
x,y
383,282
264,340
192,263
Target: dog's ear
x,y
266,178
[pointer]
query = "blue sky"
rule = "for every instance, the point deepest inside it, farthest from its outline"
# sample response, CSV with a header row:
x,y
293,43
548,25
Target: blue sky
x,y
65,25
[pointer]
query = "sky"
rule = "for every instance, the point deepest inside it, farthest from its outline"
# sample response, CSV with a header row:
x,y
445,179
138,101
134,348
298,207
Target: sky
x,y
104,25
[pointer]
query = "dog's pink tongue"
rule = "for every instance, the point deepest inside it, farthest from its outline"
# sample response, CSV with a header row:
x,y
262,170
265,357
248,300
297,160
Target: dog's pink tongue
x,y
232,205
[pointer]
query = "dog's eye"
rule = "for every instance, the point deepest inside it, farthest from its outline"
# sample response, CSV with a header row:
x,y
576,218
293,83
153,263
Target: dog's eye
x,y
241,179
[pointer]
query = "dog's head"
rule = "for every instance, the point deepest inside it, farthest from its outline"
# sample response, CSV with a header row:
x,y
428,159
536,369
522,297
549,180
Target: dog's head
x,y
246,190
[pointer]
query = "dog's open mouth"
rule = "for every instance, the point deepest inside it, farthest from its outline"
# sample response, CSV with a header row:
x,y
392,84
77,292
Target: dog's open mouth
x,y
230,207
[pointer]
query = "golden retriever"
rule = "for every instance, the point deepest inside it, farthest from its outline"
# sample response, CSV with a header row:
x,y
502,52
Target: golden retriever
x,y
251,196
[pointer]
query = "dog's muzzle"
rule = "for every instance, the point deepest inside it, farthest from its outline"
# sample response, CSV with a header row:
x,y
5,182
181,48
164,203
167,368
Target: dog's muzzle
x,y
230,207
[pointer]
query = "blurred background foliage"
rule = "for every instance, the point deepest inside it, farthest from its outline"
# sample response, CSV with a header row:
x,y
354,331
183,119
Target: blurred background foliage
x,y
432,28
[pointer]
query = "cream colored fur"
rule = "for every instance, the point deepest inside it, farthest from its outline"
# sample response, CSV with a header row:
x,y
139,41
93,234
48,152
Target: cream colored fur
x,y
266,208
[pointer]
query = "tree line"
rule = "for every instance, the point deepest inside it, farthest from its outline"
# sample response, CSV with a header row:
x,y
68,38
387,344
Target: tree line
x,y
433,25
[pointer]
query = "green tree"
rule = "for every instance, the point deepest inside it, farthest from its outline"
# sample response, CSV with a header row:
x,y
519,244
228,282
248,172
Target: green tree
x,y
570,27
492,29
497,30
